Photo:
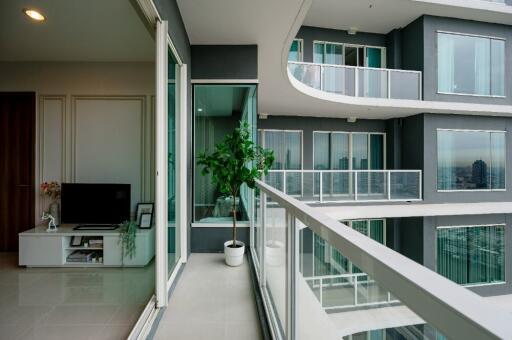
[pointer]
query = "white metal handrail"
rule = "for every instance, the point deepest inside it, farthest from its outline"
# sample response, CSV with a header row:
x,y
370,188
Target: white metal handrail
x,y
379,185
358,81
455,311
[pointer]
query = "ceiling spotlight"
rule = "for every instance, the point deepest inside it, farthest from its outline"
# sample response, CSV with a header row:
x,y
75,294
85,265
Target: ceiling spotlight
x,y
34,14
352,30
351,119
199,110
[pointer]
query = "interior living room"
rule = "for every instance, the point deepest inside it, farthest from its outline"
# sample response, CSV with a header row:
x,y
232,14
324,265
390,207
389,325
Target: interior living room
x,y
77,155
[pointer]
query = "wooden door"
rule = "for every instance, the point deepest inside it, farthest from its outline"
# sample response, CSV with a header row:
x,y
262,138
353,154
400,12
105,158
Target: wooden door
x,y
17,159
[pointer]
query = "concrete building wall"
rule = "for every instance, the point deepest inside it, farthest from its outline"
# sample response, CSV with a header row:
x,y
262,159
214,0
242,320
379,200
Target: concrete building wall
x,y
431,25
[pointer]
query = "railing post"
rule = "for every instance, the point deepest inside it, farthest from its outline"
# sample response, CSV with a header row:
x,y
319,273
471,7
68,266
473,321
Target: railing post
x,y
355,290
321,189
321,292
355,185
356,82
284,181
321,78
291,277
389,83
263,206
420,183
389,185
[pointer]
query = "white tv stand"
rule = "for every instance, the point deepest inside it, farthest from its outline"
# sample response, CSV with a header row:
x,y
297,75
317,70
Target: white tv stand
x,y
39,248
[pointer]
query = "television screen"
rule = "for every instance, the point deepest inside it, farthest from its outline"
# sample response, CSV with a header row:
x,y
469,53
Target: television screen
x,y
95,203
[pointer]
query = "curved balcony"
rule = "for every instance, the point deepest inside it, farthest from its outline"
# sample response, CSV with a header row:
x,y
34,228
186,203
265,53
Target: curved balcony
x,y
359,81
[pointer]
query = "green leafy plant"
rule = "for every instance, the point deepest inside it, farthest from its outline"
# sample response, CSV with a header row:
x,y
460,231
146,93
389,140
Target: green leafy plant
x,y
127,234
235,161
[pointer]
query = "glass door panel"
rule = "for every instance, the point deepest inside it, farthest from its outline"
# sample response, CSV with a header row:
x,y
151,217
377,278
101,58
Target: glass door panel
x,y
172,231
360,160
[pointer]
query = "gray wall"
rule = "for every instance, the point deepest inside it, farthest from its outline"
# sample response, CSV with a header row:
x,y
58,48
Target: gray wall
x,y
431,123
412,46
211,239
430,245
431,26
310,34
310,124
224,61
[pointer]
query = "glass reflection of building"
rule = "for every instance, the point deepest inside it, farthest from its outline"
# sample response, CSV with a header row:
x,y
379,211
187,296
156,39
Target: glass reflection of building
x,y
479,174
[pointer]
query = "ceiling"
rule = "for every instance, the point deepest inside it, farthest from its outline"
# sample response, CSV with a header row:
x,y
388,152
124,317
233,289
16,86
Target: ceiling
x,y
382,16
74,30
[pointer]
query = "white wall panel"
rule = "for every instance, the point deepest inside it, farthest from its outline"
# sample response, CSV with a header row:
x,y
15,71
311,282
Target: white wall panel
x,y
108,141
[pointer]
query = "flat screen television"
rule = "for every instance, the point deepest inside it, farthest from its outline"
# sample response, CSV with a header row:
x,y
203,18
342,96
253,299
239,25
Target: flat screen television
x,y
83,203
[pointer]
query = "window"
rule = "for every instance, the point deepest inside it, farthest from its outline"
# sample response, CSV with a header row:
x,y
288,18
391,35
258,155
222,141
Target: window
x,y
287,147
295,53
471,254
349,151
348,54
470,160
470,65
218,110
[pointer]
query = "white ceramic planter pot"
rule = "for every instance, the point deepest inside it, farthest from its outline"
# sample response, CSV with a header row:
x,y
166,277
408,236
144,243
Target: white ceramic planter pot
x,y
234,256
275,253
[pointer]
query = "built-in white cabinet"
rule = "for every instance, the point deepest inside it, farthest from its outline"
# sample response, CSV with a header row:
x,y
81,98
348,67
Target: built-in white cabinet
x,y
39,248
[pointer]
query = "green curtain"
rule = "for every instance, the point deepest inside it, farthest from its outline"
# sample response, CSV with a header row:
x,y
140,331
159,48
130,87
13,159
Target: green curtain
x,y
471,255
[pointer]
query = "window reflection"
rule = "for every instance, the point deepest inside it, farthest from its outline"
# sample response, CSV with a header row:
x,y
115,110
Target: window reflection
x,y
470,160
470,64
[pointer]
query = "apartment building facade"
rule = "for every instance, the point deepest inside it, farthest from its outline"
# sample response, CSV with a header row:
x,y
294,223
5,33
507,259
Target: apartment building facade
x,y
461,157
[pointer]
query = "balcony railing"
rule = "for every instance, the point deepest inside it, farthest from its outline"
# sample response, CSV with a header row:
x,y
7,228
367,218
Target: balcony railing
x,y
351,290
359,81
295,313
327,186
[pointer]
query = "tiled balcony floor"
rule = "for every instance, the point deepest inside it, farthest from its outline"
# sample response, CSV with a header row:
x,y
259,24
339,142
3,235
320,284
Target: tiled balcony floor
x,y
211,301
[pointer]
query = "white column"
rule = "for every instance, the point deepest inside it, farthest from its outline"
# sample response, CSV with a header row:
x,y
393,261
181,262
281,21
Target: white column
x,y
161,164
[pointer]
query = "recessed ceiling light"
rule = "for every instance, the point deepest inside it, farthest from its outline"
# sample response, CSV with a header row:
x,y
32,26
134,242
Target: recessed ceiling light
x,y
200,110
34,14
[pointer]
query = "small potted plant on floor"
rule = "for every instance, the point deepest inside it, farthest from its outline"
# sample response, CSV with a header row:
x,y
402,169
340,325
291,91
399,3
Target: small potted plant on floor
x,y
234,162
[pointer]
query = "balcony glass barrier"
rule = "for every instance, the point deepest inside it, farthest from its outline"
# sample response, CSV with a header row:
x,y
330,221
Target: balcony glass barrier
x,y
324,186
359,81
354,287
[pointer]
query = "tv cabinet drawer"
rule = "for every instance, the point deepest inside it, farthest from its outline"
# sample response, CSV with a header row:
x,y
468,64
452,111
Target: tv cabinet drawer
x,y
40,251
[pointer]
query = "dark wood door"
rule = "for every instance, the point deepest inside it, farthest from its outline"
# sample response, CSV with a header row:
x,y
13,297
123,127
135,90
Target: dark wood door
x,y
17,158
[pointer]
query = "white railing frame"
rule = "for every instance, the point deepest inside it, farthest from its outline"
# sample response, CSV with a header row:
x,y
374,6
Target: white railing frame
x,y
354,280
388,72
355,185
453,310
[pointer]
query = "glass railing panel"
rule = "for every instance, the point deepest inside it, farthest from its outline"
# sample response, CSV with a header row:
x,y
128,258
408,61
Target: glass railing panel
x,y
339,80
275,261
338,186
372,185
257,228
293,183
373,83
405,185
308,74
405,85
275,179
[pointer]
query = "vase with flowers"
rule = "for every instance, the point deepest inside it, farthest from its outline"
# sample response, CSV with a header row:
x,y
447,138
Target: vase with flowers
x,y
52,190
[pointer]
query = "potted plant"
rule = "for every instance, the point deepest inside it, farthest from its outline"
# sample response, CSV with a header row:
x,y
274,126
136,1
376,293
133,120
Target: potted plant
x,y
234,162
127,235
